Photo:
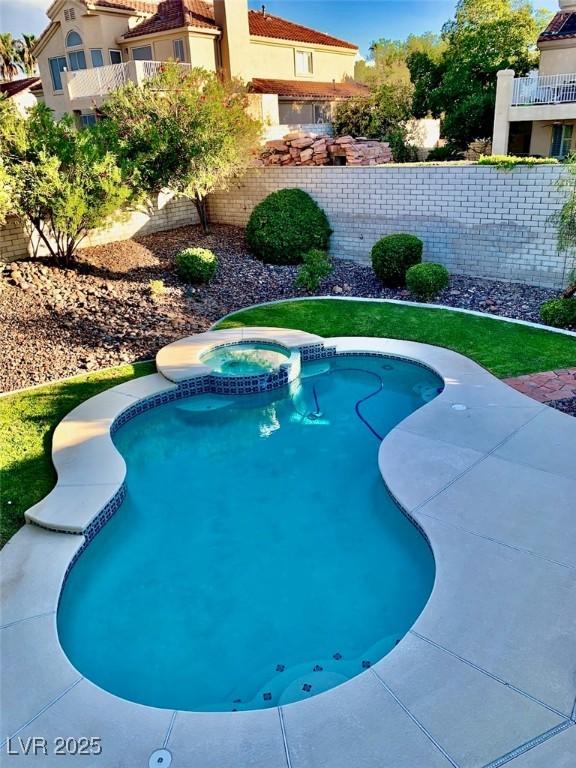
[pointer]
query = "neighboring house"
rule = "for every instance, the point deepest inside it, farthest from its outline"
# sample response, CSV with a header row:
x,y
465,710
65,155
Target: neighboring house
x,y
536,115
25,93
90,47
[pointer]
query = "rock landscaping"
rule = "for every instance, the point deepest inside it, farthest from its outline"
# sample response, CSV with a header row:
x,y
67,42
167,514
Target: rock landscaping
x,y
311,149
57,322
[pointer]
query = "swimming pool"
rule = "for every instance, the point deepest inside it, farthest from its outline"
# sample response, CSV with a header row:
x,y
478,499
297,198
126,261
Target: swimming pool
x,y
257,558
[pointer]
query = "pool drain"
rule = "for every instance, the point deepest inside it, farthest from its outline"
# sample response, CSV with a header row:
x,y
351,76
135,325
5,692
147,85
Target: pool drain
x,y
160,758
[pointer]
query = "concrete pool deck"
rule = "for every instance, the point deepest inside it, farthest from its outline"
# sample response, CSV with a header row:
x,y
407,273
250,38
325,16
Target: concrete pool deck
x,y
485,678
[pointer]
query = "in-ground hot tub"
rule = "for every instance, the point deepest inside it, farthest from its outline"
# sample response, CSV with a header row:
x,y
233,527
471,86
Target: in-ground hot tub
x,y
257,558
246,358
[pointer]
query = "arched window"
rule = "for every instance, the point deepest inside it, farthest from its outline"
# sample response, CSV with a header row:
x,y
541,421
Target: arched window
x,y
73,39
76,57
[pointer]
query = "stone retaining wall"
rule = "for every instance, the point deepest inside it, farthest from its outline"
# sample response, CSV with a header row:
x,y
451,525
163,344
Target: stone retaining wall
x,y
476,220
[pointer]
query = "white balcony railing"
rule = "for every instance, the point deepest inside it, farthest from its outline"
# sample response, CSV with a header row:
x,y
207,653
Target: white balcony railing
x,y
99,81
544,89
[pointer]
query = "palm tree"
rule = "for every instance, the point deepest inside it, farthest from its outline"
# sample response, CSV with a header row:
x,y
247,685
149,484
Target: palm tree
x,y
24,56
8,57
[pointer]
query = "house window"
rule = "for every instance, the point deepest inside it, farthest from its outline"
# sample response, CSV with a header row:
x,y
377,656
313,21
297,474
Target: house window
x,y
73,39
77,60
303,61
322,113
561,141
97,57
142,54
115,56
57,66
69,14
178,48
88,119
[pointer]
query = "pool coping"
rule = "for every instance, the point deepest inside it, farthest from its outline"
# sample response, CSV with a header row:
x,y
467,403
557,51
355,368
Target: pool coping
x,y
485,676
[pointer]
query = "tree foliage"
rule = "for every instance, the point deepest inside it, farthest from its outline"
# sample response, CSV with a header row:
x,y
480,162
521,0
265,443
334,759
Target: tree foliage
x,y
388,59
383,116
16,55
483,37
185,130
63,182
565,220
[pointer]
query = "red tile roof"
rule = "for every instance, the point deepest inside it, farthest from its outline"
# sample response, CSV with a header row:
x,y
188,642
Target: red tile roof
x,y
138,6
17,86
173,14
309,90
562,27
266,25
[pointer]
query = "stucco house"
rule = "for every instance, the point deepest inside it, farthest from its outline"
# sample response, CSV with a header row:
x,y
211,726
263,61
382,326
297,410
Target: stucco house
x,y
296,74
536,115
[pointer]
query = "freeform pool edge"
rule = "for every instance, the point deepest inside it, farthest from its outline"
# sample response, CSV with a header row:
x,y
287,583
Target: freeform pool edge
x,y
387,726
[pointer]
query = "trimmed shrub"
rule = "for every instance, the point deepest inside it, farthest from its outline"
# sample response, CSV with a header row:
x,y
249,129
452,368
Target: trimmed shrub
x,y
444,154
424,281
393,255
286,225
316,266
559,313
508,162
196,265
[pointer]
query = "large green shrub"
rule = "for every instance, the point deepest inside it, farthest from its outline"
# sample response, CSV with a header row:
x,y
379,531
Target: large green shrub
x,y
393,255
196,265
316,266
285,226
424,281
559,313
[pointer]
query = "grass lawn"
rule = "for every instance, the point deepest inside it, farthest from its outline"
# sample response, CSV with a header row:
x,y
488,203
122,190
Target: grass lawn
x,y
27,419
505,349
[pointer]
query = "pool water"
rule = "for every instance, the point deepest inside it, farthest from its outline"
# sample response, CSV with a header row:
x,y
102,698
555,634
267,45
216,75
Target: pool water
x,y
246,358
258,558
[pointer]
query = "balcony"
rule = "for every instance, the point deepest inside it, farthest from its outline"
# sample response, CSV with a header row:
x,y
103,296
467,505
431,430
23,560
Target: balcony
x,y
536,90
100,81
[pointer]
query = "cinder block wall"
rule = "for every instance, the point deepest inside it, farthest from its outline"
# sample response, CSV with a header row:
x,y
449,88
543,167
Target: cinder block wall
x,y
476,220
168,213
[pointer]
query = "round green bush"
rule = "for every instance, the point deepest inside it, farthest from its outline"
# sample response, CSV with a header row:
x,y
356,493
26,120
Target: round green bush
x,y
286,225
196,265
393,255
424,281
559,313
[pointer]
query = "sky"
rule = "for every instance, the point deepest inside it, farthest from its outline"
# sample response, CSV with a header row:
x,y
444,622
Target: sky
x,y
359,21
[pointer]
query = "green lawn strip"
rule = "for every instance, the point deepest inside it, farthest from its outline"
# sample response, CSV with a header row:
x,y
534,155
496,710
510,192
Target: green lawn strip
x,y
505,349
27,421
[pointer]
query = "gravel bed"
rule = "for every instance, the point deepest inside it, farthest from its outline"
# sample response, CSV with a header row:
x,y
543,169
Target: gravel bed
x,y
56,322
568,405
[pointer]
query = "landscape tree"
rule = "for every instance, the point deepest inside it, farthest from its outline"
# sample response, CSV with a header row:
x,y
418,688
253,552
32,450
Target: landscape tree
x,y
8,57
388,59
23,54
483,37
383,115
183,130
63,182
